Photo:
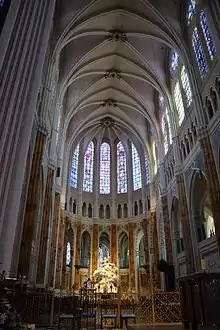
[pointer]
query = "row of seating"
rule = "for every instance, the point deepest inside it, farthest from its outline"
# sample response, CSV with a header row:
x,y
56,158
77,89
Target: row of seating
x,y
92,307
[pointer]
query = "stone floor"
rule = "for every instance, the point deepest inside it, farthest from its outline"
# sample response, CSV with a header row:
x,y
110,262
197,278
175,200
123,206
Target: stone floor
x,y
156,326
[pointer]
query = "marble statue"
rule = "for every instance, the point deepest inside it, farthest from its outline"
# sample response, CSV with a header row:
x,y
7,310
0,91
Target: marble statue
x,y
106,278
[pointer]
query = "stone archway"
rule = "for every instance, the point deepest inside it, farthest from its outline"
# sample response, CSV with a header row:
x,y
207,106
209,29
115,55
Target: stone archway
x,y
200,208
177,232
104,247
123,245
85,250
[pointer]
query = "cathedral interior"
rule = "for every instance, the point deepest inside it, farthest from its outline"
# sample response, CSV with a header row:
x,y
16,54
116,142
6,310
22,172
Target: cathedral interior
x,y
110,153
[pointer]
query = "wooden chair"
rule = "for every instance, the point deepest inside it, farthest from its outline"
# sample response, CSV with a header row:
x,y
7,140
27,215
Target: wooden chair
x,y
69,311
108,306
88,307
129,314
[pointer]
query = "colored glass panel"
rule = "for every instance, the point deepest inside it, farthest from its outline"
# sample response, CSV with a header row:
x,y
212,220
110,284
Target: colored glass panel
x,y
88,168
122,185
136,167
179,103
186,86
74,169
105,168
199,53
207,35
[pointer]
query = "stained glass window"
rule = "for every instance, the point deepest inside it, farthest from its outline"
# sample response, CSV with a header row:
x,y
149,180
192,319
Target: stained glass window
x,y
165,133
136,167
186,86
105,167
155,157
74,168
68,254
169,126
2,3
88,168
191,10
122,185
161,100
198,50
207,34
174,61
147,169
179,103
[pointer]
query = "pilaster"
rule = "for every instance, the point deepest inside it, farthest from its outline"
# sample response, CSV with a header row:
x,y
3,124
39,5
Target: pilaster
x,y
27,40
78,230
95,247
44,240
167,231
187,239
53,245
32,205
113,244
212,179
65,240
131,256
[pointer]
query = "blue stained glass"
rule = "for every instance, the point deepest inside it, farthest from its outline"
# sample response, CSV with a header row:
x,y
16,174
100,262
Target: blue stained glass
x,y
2,3
122,185
74,169
136,166
68,254
174,61
147,169
105,167
88,168
207,35
191,10
198,49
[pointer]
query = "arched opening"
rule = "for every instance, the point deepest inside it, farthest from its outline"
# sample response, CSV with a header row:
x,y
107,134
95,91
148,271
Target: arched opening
x,y
101,212
201,208
141,250
104,247
125,210
135,208
107,212
140,207
177,226
74,207
123,250
84,209
85,250
119,211
90,211
70,204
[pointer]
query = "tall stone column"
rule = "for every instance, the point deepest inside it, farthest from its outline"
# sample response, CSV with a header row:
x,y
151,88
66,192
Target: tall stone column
x,y
131,256
167,230
212,181
113,244
25,37
65,241
78,230
60,249
154,248
44,240
32,204
95,247
146,243
53,245
187,239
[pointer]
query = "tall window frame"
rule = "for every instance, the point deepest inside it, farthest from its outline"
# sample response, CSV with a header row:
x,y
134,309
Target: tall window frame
x,y
165,132
136,168
179,103
122,182
147,168
186,85
199,53
105,168
88,167
74,168
191,12
207,34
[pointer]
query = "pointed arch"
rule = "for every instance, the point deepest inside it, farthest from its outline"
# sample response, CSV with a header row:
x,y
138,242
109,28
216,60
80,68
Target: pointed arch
x,y
186,86
88,168
199,53
122,185
136,168
207,35
105,168
74,168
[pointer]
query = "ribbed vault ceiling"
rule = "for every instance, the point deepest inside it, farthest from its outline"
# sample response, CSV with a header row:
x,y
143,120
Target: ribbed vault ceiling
x,y
112,58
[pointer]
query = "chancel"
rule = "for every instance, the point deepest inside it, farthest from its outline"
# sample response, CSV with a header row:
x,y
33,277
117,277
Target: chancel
x,y
110,162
